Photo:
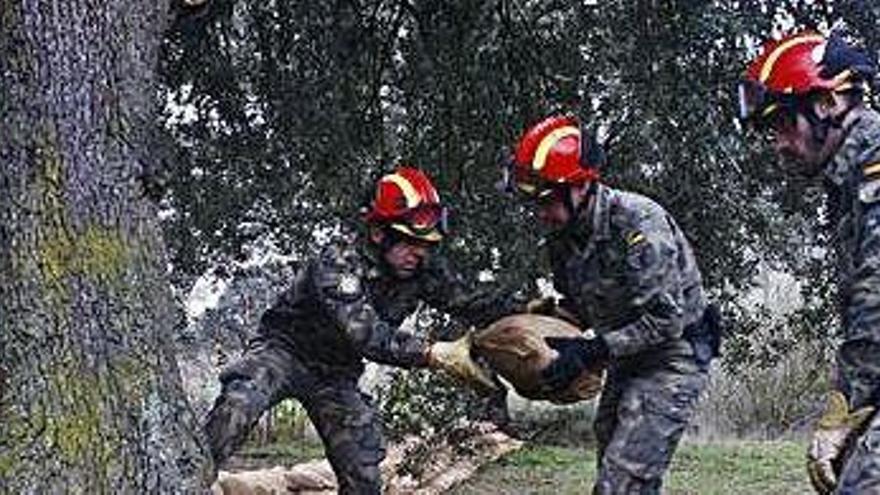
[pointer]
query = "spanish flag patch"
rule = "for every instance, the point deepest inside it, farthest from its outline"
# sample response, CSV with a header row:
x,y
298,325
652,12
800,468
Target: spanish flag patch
x,y
634,238
871,171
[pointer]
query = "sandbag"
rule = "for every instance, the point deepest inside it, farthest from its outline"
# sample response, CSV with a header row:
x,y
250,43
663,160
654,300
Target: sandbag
x,y
514,347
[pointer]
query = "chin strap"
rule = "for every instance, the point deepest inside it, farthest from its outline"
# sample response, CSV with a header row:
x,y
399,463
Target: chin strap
x,y
575,211
820,126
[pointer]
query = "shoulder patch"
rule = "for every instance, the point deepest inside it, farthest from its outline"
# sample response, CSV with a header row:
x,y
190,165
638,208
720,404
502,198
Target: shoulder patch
x,y
349,285
374,273
869,191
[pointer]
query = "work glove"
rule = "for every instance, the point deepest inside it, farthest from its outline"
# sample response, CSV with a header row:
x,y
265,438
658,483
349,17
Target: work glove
x,y
576,355
834,429
548,306
455,358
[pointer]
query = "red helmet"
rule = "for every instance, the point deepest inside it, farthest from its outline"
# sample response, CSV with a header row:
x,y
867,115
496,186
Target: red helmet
x,y
552,153
408,202
796,66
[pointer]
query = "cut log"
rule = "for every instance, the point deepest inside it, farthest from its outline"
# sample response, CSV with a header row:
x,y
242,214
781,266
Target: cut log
x,y
515,348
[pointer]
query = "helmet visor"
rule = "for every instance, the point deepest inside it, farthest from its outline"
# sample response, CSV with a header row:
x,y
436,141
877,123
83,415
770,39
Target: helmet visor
x,y
765,109
427,222
753,100
507,183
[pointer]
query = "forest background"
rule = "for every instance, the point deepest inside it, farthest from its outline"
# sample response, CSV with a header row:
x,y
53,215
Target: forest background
x,y
281,116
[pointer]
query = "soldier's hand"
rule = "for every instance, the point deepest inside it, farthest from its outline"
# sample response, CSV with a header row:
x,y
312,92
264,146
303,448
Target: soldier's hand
x,y
829,440
541,306
576,355
455,358
548,306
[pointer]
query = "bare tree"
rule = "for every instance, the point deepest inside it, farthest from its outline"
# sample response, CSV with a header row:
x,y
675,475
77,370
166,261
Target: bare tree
x,y
90,396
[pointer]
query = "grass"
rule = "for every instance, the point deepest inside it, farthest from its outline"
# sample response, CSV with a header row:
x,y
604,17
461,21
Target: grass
x,y
765,468
743,468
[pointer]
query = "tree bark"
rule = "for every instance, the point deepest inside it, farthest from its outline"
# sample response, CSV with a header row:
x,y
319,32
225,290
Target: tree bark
x,y
90,396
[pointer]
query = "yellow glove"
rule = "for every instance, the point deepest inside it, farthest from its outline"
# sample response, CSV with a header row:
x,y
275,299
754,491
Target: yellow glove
x,y
829,440
455,358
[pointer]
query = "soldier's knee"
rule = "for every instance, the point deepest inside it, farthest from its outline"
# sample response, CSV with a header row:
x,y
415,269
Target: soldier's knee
x,y
235,411
239,405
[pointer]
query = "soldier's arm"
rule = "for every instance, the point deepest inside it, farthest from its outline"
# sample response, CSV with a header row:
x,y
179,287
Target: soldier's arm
x,y
446,290
653,278
341,291
280,316
857,357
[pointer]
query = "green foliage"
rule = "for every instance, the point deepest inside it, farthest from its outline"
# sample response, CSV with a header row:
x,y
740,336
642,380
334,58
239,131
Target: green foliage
x,y
297,108
423,402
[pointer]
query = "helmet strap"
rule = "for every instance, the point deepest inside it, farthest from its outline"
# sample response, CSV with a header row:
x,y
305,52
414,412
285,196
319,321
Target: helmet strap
x,y
819,126
591,156
822,126
569,204
574,212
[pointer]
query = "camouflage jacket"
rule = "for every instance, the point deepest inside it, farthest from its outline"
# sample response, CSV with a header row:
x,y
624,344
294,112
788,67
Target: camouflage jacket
x,y
627,271
853,185
344,306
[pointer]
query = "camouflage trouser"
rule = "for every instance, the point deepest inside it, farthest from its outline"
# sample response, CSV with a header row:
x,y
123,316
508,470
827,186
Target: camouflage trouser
x,y
641,417
861,474
344,416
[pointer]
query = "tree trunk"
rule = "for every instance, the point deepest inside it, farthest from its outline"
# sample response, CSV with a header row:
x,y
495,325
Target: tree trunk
x,y
90,396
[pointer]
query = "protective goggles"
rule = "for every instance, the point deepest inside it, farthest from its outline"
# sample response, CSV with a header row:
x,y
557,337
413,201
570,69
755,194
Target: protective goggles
x,y
764,108
425,220
532,187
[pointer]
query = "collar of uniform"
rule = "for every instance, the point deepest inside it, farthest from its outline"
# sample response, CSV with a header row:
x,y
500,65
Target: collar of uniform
x,y
600,225
837,170
592,223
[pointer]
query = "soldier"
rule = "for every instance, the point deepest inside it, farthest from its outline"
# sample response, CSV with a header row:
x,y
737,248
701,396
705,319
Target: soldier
x,y
626,270
343,306
808,93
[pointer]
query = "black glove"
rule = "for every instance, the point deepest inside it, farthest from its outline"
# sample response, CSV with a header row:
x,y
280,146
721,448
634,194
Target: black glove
x,y
576,355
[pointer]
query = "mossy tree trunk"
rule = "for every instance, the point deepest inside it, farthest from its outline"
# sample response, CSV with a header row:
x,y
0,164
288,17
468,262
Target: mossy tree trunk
x,y
90,397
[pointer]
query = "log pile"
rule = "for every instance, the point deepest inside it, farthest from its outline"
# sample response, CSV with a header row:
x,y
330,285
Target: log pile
x,y
442,465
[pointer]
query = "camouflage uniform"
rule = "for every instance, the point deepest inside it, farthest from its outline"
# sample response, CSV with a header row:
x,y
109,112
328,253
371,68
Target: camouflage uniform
x,y
853,184
342,307
627,271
